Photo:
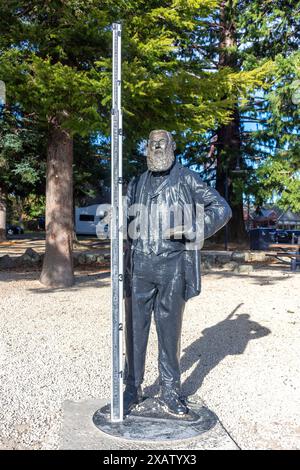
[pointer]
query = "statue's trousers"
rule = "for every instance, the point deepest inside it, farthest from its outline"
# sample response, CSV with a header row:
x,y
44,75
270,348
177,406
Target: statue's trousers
x,y
158,286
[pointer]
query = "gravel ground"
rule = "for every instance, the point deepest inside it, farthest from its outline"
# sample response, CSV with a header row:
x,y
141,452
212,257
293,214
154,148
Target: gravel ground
x,y
240,352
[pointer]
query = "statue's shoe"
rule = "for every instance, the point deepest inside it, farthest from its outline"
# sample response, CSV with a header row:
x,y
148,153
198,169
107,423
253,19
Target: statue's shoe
x,y
132,396
170,399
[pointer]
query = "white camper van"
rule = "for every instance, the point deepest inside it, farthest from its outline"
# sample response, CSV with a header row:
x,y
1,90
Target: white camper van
x,y
88,221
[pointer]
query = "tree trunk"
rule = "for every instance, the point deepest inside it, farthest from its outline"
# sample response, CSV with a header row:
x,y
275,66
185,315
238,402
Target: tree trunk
x,y
58,261
2,216
20,211
229,155
228,160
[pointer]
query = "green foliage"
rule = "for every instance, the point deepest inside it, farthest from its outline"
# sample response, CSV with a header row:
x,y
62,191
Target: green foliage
x,y
280,176
33,206
56,62
276,142
268,31
26,208
60,66
21,149
90,168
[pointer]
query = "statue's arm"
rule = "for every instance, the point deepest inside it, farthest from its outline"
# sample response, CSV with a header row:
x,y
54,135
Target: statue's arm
x,y
129,200
217,211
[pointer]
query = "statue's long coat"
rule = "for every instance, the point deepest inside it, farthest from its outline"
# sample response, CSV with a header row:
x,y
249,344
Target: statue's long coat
x,y
182,187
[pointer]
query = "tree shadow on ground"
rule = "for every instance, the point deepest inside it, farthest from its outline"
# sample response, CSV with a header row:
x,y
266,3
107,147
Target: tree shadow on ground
x,y
226,338
255,277
87,272
83,280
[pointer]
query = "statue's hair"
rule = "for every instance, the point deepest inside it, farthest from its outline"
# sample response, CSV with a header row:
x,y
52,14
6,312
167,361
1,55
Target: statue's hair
x,y
162,130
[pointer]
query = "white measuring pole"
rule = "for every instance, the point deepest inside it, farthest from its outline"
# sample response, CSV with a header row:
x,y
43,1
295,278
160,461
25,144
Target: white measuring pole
x,y
116,233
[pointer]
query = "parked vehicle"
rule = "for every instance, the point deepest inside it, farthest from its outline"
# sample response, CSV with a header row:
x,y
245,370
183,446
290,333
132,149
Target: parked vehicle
x,y
88,221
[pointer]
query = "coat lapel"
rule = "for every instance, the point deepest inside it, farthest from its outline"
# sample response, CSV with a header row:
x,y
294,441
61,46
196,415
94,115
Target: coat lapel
x,y
171,181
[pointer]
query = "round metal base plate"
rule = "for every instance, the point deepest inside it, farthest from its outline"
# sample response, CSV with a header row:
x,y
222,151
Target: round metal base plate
x,y
150,421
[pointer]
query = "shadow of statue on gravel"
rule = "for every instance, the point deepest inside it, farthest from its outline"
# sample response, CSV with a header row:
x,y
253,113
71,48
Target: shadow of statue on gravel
x,y
229,337
226,338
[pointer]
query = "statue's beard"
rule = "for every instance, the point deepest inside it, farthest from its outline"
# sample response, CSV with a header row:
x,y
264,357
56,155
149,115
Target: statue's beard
x,y
160,160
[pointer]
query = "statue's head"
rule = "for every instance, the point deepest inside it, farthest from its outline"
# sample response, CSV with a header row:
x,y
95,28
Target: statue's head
x,y
160,150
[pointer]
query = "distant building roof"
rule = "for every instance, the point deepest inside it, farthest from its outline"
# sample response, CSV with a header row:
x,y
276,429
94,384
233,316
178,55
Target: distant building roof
x,y
288,216
275,214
